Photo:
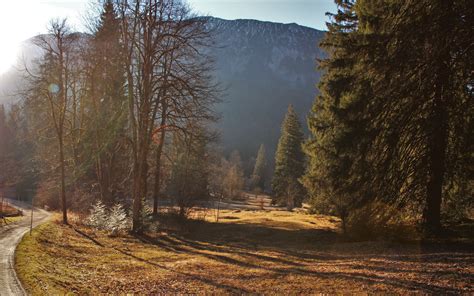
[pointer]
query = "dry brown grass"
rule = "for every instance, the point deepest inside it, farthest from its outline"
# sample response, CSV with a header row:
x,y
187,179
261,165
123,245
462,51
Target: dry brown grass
x,y
274,252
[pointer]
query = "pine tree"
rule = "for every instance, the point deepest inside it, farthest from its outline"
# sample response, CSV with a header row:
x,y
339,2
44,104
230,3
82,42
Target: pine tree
x,y
258,175
395,105
106,101
98,216
117,220
330,148
289,163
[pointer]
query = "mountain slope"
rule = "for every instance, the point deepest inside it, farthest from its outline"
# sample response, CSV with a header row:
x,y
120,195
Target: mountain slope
x,y
263,67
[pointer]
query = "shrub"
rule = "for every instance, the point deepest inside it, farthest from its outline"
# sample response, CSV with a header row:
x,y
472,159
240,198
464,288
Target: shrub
x,y
98,216
117,220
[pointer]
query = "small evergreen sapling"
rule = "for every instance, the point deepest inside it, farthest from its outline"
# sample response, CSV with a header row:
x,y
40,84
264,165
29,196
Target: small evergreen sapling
x,y
117,220
98,216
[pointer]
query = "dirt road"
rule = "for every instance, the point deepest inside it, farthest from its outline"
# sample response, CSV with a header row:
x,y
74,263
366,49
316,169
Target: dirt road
x,y
10,236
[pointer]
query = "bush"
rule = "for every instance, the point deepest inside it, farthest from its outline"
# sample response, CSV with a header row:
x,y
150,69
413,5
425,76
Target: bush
x,y
113,221
117,220
98,216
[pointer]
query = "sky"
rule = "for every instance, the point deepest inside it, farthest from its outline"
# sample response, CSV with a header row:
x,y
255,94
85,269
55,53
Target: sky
x,y
310,13
22,19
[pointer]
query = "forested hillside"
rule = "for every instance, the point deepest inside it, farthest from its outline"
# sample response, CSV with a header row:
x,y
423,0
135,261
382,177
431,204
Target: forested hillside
x,y
262,67
265,67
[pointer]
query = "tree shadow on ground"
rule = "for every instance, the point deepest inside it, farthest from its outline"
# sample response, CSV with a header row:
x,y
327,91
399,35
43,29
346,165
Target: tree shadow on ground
x,y
187,275
304,251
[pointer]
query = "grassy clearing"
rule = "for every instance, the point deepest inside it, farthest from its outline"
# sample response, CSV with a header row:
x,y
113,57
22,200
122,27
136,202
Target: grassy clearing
x,y
248,252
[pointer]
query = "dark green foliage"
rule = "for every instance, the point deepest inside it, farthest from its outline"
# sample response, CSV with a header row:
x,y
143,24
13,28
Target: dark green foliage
x,y
393,123
104,139
258,175
289,163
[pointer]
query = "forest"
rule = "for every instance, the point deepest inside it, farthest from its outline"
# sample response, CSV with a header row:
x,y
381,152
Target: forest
x,y
113,141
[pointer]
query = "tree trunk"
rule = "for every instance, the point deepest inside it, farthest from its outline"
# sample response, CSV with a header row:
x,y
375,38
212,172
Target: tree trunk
x,y
219,207
101,180
136,208
140,183
63,177
159,151
436,159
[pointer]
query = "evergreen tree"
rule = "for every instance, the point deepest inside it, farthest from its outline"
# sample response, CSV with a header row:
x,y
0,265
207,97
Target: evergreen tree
x,y
106,102
258,176
395,106
289,163
331,147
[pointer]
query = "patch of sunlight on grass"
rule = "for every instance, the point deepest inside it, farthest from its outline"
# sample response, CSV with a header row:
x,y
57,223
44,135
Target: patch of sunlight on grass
x,y
253,252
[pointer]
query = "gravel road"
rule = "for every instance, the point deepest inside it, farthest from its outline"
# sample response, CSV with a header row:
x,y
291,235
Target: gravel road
x,y
10,236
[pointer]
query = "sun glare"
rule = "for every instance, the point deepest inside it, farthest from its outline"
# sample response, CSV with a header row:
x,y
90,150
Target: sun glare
x,y
8,57
18,27
11,30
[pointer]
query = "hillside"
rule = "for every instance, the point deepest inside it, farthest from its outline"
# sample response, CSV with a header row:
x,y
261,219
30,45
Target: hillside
x,y
265,66
262,66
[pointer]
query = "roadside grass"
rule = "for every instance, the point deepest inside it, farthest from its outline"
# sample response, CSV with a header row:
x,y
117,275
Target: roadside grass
x,y
271,252
11,220
10,215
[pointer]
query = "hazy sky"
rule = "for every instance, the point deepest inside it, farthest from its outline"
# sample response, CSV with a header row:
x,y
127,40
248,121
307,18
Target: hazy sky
x,y
21,19
309,13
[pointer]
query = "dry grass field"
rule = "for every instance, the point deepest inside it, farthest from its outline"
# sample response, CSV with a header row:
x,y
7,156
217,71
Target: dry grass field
x,y
272,252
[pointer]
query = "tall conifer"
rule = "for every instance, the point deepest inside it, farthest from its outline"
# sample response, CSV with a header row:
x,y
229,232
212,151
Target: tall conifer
x,y
395,106
258,175
289,162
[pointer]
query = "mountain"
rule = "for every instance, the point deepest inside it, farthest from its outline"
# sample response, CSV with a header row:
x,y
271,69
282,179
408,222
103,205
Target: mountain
x,y
262,66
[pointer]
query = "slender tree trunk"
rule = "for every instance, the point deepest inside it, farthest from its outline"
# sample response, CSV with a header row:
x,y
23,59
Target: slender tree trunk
x,y
438,122
137,203
436,158
159,152
140,181
219,206
157,185
104,180
344,224
63,179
